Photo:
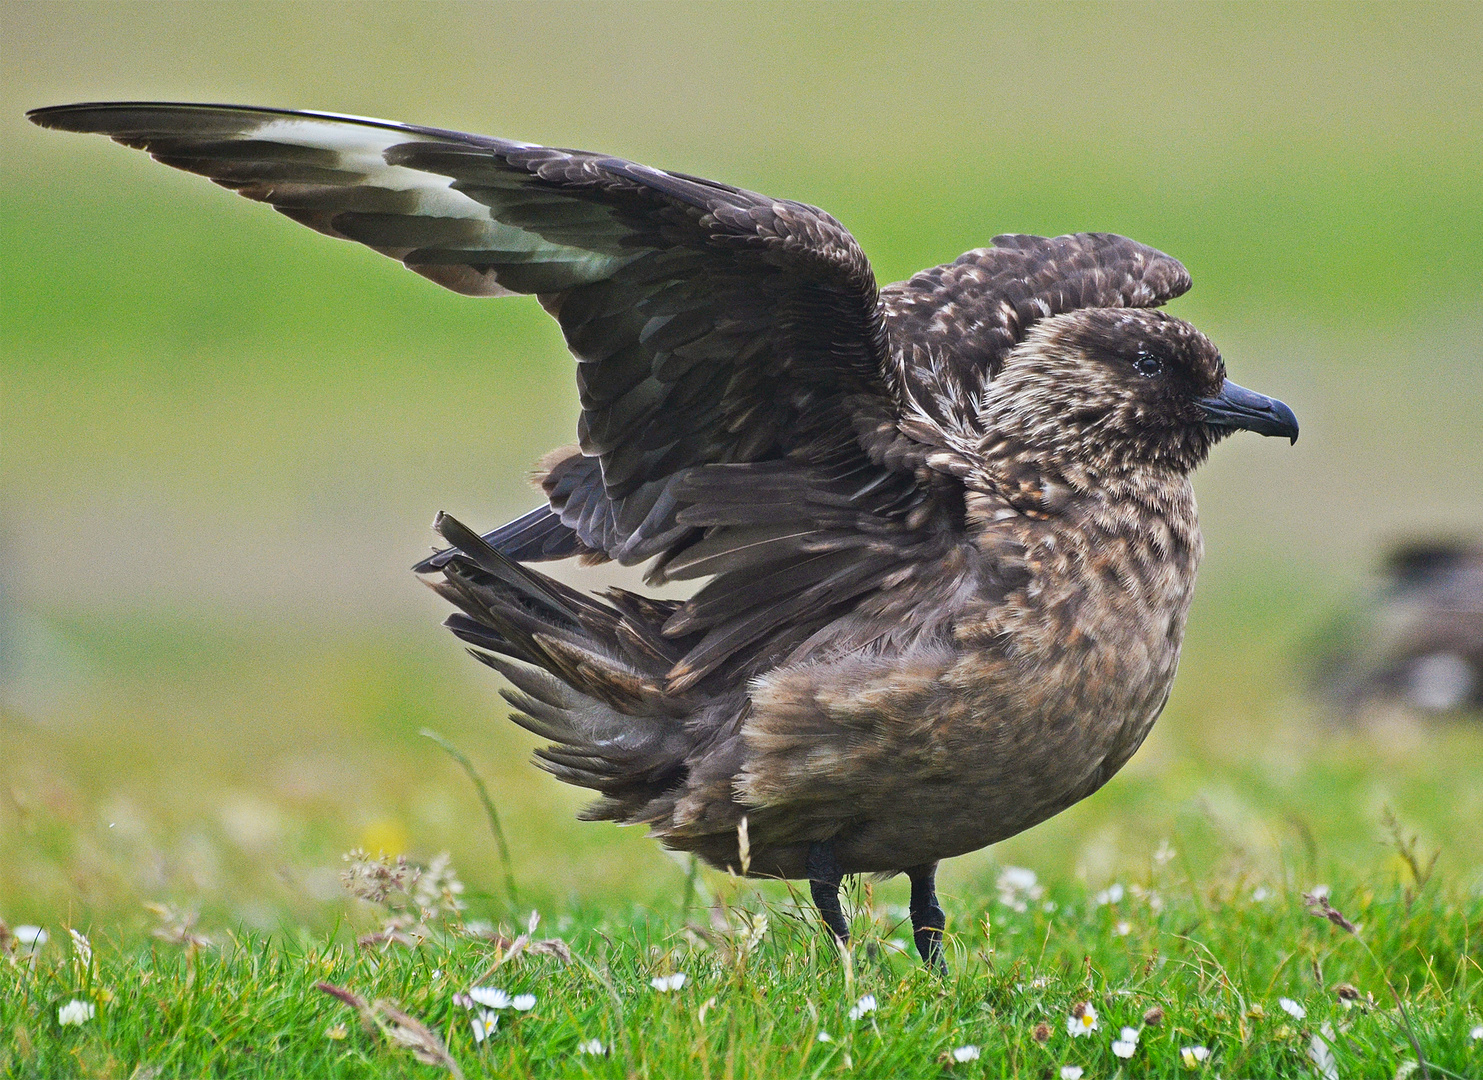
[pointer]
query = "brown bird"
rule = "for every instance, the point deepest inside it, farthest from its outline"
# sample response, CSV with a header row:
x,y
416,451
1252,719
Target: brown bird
x,y
947,525
1419,641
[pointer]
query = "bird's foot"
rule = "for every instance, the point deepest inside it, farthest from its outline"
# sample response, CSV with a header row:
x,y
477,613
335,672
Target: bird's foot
x,y
824,877
927,918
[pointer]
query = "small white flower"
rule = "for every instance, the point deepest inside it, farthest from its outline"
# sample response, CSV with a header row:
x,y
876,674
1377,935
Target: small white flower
x,y
1113,894
1260,894
824,1036
591,1046
965,1053
484,1025
1164,854
1123,928
1292,1008
863,1007
1193,1055
1476,1033
1320,891
490,997
1082,1021
30,938
1321,1053
523,1002
1071,1072
75,1013
1123,1047
1018,878
1018,887
665,983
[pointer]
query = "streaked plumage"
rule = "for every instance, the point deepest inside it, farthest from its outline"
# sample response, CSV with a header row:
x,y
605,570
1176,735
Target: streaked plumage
x,y
947,525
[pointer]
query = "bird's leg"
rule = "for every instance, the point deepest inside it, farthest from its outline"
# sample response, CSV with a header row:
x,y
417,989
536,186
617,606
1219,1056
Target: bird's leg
x,y
824,877
927,919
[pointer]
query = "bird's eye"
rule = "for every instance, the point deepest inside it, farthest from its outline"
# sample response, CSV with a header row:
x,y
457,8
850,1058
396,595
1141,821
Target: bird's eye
x,y
1148,366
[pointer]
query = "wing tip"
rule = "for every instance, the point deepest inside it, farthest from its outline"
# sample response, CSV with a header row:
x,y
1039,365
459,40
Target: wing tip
x,y
88,117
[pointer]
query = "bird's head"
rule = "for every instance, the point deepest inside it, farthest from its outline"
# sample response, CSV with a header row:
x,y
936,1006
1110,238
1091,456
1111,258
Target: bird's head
x,y
1119,388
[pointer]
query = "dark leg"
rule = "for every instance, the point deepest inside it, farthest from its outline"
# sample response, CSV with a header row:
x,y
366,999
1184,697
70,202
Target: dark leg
x,y
824,877
927,919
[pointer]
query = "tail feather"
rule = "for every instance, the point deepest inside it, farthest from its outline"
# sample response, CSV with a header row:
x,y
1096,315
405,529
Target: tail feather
x,y
536,586
535,684
538,536
588,675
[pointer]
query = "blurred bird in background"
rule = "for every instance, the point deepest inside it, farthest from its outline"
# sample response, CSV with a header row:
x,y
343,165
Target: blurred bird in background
x,y
1418,641
947,525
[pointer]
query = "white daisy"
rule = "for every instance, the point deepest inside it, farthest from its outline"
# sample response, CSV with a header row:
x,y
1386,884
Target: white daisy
x,y
1113,894
1321,1053
1071,1072
30,938
76,1013
591,1046
965,1053
523,1002
1124,1046
1018,887
1193,1055
824,1036
1292,1008
484,1025
862,1007
490,997
666,983
1477,1033
1082,1021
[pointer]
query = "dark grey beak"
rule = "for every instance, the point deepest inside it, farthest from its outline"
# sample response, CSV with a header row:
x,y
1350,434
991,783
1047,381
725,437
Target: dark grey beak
x,y
1237,407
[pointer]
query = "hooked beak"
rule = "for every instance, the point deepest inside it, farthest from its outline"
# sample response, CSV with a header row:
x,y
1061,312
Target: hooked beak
x,y
1237,407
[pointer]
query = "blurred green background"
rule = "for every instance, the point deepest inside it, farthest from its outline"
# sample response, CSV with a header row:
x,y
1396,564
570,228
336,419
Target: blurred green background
x,y
223,436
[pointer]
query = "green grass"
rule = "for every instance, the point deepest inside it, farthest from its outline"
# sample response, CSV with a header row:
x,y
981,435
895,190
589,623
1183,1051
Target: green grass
x,y
1210,956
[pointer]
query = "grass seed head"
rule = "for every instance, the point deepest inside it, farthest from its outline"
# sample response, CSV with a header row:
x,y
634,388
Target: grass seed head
x,y
177,926
1318,906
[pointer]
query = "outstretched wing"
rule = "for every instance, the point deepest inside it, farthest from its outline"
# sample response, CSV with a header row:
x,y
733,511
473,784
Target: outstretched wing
x,y
751,410
712,325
